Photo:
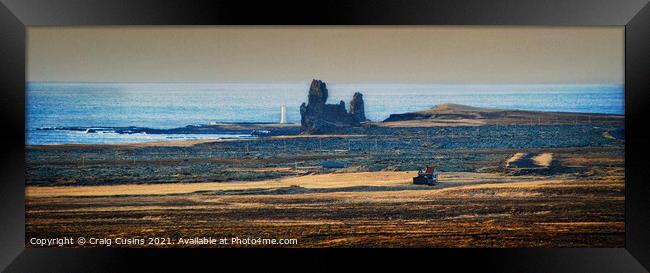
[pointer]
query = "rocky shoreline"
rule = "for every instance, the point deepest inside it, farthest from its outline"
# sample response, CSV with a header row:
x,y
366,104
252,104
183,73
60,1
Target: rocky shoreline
x,y
234,128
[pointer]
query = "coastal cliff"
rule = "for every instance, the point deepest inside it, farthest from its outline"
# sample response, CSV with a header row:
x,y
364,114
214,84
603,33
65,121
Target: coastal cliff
x,y
319,117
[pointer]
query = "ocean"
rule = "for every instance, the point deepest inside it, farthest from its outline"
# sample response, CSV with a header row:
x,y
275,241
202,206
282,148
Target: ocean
x,y
170,105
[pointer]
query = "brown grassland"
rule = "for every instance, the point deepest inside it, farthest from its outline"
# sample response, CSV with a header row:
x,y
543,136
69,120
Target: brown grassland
x,y
378,209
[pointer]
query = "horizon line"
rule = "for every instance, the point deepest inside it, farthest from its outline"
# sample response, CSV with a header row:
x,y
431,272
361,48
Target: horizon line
x,y
327,82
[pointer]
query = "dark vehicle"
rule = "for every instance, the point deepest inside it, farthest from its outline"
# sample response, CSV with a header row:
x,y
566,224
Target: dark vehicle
x,y
426,176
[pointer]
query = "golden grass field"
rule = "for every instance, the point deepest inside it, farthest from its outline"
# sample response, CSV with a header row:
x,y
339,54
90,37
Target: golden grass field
x,y
376,209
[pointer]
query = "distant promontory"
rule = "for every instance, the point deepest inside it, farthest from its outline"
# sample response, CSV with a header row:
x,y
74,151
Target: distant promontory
x,y
450,114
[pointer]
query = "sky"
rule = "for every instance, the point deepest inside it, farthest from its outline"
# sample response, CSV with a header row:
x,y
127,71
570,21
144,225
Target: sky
x,y
423,54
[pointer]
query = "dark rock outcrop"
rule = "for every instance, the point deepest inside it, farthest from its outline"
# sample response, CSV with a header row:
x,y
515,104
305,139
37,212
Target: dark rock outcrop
x,y
319,117
317,94
356,108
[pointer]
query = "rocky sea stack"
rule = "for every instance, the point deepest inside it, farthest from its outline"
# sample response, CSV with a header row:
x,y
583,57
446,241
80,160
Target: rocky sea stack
x,y
319,117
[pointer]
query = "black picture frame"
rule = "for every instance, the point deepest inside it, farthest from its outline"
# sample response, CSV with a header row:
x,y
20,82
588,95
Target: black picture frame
x,y
15,15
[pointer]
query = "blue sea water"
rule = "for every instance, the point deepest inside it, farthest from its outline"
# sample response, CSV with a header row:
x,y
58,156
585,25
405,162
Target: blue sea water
x,y
170,105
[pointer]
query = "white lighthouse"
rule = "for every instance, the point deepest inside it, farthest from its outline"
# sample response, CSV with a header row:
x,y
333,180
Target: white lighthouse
x,y
283,114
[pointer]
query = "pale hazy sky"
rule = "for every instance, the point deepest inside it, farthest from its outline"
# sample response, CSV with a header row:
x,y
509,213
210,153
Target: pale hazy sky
x,y
339,54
